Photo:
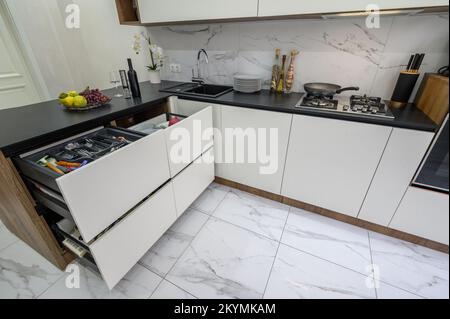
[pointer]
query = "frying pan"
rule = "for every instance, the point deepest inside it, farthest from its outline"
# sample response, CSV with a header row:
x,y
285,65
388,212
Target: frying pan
x,y
327,89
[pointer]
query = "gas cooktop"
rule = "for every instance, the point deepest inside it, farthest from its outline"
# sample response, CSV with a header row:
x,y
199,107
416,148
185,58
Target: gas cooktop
x,y
361,105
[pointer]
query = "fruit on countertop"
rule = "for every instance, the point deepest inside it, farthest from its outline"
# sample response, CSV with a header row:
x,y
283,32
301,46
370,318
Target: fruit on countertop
x,y
67,101
79,101
86,98
94,96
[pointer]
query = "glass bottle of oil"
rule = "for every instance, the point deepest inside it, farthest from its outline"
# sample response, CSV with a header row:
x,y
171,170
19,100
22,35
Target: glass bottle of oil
x,y
275,71
281,83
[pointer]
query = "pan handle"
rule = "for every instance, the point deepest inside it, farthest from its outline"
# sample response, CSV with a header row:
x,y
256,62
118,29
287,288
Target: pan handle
x,y
350,88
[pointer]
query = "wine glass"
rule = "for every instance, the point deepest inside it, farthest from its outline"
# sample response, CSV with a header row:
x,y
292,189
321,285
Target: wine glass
x,y
114,79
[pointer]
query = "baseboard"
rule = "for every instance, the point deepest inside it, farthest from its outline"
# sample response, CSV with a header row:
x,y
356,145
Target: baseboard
x,y
338,216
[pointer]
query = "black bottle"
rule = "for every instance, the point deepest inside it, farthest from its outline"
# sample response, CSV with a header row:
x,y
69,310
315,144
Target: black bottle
x,y
133,79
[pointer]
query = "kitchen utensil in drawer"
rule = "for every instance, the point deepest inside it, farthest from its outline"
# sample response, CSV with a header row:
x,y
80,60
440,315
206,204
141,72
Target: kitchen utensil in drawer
x,y
403,89
30,167
247,83
432,97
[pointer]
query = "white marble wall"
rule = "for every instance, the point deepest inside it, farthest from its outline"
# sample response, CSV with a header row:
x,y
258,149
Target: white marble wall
x,y
340,51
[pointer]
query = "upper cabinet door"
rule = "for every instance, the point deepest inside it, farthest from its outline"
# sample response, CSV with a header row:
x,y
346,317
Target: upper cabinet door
x,y
153,11
268,8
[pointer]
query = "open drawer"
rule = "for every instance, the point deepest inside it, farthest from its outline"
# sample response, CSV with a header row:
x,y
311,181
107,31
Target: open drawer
x,y
185,140
119,248
193,180
109,186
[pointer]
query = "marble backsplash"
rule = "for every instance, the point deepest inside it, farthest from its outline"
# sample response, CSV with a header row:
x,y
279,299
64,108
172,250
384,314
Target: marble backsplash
x,y
341,51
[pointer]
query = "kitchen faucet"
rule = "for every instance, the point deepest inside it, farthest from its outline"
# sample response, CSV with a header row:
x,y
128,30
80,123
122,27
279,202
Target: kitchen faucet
x,y
199,78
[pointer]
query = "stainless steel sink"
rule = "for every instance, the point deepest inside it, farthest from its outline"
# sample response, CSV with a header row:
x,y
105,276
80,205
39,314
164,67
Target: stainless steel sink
x,y
196,89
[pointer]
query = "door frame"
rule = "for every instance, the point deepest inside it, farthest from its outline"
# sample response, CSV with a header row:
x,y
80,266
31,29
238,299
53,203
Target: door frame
x,y
31,66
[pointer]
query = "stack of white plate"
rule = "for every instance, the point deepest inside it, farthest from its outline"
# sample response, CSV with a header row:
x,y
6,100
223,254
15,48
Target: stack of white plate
x,y
247,83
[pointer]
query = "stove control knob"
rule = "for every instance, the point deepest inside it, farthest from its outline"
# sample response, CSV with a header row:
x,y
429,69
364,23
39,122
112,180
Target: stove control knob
x,y
365,109
346,107
374,111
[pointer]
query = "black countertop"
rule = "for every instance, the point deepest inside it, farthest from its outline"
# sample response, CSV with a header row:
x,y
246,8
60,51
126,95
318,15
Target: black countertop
x,y
36,125
409,117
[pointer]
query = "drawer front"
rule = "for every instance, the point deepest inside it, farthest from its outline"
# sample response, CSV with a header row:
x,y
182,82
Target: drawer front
x,y
98,194
118,250
423,213
188,139
191,182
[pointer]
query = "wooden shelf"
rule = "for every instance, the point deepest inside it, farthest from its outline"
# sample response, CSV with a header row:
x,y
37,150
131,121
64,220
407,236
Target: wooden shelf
x,y
128,14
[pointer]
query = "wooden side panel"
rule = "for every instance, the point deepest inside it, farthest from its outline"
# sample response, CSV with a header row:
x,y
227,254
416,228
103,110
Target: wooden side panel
x,y
18,213
127,14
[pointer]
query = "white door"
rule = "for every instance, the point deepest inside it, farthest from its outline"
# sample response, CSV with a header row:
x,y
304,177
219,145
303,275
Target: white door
x,y
270,134
16,86
423,213
330,163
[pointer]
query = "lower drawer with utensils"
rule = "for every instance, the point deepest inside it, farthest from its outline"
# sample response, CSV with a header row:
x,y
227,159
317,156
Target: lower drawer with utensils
x,y
50,199
121,246
119,196
98,193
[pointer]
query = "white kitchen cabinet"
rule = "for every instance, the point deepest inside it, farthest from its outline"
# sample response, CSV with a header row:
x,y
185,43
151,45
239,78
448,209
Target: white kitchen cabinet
x,y
189,107
191,182
423,213
98,194
188,139
270,8
153,11
330,163
119,249
401,159
264,172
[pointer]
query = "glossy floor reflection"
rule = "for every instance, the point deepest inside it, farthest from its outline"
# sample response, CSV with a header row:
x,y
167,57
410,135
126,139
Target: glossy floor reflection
x,y
231,244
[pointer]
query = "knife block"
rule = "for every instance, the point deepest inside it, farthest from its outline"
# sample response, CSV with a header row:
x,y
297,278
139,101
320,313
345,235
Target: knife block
x,y
403,89
432,97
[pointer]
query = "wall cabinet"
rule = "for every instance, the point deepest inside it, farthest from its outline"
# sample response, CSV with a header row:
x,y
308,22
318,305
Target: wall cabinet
x,y
153,11
330,163
401,158
172,11
270,8
239,127
423,213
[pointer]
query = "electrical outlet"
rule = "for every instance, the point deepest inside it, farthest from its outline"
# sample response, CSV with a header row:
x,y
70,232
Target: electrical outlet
x,y
175,68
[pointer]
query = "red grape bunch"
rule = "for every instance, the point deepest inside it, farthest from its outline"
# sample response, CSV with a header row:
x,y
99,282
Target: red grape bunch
x,y
95,97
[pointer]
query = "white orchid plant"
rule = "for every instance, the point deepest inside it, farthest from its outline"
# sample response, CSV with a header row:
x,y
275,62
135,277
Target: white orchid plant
x,y
156,52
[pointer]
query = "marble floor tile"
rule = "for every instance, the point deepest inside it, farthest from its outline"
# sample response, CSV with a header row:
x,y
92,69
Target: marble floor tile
x,y
298,275
329,239
163,255
414,268
208,201
225,261
167,290
254,213
385,291
6,237
139,283
24,273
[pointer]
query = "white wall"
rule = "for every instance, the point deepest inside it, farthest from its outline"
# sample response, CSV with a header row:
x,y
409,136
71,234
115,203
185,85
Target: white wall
x,y
75,58
342,51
